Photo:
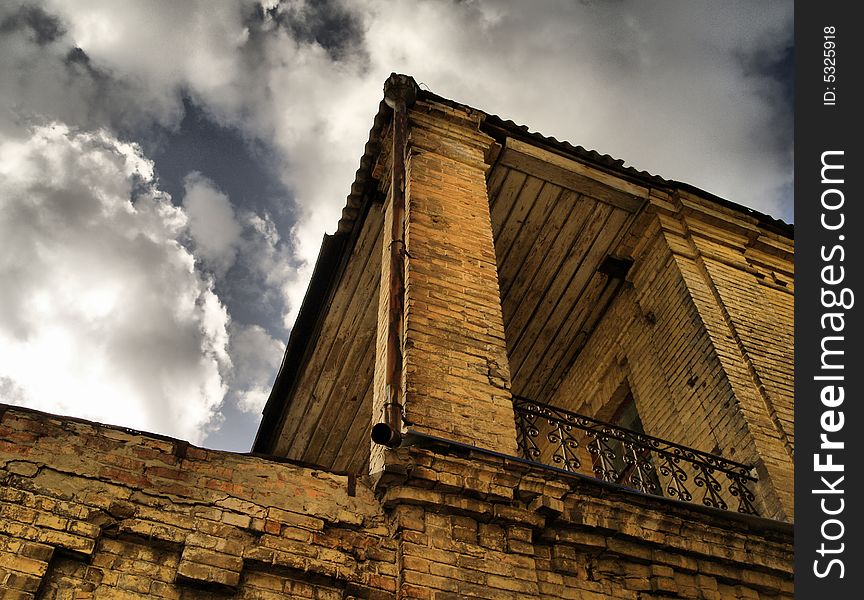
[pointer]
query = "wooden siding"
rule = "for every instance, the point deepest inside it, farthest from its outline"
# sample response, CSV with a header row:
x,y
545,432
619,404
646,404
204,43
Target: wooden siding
x,y
331,408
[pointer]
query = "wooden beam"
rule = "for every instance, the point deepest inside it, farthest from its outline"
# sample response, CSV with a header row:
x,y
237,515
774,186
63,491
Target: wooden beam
x,y
561,264
549,248
502,202
574,166
511,228
565,292
573,180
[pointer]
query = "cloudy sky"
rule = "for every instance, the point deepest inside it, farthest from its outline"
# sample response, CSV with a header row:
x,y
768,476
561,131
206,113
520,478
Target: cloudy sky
x,y
168,169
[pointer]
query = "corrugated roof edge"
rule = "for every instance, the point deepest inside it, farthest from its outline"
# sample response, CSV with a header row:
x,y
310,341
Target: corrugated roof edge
x,y
604,162
609,164
617,167
335,248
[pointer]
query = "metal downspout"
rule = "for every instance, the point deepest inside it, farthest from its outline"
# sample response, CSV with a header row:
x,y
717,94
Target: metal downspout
x,y
399,93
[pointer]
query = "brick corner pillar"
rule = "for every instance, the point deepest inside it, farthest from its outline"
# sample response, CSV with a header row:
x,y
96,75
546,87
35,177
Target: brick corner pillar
x,y
739,278
455,374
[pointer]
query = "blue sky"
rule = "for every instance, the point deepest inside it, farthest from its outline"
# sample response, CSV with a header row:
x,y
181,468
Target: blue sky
x,y
167,170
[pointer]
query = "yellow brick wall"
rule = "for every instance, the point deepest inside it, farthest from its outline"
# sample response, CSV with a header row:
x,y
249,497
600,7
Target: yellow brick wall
x,y
701,334
88,511
740,277
487,527
107,513
746,301
379,382
705,347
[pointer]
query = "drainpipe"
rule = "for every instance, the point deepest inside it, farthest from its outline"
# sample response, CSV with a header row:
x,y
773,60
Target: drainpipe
x,y
400,92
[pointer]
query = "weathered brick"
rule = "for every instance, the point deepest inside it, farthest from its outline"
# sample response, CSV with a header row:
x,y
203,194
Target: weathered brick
x,y
208,574
22,581
22,564
215,559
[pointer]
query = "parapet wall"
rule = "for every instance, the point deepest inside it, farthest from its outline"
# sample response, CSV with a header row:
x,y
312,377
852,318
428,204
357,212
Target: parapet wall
x,y
478,524
111,513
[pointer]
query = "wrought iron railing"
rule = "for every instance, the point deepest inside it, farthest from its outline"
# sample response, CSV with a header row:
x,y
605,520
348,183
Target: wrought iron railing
x,y
648,464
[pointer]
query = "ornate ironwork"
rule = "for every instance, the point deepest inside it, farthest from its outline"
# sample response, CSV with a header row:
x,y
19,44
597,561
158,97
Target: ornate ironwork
x,y
564,439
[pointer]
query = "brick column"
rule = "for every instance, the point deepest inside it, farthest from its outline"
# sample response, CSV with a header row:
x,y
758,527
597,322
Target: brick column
x,y
739,277
456,377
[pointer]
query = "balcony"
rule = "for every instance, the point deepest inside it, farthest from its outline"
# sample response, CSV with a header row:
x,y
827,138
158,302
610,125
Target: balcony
x,y
579,444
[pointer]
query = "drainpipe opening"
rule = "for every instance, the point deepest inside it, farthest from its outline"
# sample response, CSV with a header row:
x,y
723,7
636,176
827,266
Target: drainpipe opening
x,y
384,434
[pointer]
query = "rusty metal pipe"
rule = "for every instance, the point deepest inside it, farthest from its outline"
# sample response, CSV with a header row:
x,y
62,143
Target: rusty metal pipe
x,y
399,94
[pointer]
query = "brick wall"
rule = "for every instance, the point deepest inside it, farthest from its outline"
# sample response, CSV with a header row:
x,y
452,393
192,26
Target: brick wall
x,y
741,280
474,525
89,511
723,380
379,375
109,513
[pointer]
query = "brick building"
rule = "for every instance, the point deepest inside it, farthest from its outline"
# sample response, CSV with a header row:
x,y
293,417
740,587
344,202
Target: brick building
x,y
577,378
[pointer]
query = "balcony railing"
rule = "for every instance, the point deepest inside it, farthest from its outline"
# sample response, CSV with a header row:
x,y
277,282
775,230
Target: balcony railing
x,y
648,464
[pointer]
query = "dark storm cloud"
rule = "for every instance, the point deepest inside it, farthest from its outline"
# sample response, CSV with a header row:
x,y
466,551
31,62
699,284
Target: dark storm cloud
x,y
329,23
37,24
773,76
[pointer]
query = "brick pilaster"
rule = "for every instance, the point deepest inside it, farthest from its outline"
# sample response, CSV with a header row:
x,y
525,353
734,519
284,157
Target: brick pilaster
x,y
456,374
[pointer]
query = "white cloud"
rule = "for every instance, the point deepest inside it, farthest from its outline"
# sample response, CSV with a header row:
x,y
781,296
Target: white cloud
x,y
212,224
102,314
256,358
253,400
